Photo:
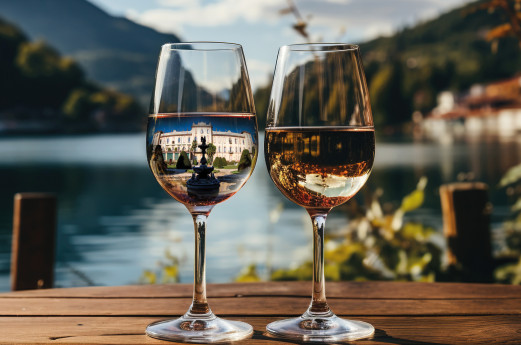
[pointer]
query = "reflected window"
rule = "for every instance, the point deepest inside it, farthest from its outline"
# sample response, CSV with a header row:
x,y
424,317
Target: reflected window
x,y
178,140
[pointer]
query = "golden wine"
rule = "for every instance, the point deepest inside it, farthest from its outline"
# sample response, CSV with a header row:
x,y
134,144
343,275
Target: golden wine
x,y
319,167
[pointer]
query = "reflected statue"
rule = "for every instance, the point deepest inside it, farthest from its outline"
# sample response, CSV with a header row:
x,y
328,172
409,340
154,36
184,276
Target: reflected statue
x,y
203,182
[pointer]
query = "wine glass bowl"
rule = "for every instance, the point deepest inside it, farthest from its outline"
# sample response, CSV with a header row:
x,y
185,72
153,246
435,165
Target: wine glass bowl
x,y
319,150
201,114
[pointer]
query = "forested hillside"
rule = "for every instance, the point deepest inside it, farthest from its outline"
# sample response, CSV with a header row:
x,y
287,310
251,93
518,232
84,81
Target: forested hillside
x,y
407,70
40,90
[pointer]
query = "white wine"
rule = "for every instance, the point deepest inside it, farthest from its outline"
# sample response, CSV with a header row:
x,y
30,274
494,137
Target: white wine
x,y
319,167
202,158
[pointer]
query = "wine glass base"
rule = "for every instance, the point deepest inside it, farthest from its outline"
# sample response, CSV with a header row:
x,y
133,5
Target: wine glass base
x,y
320,329
191,329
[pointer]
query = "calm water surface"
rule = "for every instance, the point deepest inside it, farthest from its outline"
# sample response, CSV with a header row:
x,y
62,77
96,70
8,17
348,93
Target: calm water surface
x,y
114,221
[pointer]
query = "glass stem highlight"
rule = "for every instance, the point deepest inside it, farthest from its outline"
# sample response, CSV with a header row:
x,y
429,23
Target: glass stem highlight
x,y
318,304
200,304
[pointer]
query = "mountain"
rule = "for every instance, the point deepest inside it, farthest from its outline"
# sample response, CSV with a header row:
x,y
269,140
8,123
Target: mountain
x,y
113,51
43,91
407,70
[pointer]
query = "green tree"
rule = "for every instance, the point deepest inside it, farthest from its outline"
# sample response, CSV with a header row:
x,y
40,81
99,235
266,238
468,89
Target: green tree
x,y
47,76
183,162
10,86
390,106
193,148
220,162
157,161
210,151
245,161
78,105
262,98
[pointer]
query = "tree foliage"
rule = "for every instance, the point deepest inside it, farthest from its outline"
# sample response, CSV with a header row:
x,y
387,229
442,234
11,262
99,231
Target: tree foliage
x,y
245,161
183,162
220,162
406,71
210,151
377,245
35,77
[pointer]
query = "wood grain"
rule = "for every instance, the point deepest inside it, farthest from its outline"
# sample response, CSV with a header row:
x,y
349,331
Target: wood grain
x,y
271,306
376,290
389,330
402,313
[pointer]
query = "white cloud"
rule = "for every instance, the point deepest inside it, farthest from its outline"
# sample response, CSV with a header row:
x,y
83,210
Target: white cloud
x,y
176,14
177,3
260,72
364,19
361,19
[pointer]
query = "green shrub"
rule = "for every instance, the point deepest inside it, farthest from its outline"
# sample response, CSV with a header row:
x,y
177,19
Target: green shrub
x,y
245,161
183,162
220,162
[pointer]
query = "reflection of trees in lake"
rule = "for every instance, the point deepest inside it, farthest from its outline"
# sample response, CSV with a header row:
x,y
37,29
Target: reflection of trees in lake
x,y
322,85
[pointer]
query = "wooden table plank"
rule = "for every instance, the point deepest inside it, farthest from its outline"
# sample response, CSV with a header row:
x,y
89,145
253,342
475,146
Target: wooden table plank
x,y
402,313
499,329
379,290
250,306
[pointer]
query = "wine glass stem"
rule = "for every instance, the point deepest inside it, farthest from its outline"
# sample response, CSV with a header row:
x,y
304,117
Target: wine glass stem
x,y
199,303
318,302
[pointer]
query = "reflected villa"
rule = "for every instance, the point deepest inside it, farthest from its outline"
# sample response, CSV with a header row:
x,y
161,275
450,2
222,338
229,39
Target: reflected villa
x,y
229,145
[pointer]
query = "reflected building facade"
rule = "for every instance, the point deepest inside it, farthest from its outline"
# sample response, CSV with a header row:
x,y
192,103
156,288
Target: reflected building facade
x,y
229,145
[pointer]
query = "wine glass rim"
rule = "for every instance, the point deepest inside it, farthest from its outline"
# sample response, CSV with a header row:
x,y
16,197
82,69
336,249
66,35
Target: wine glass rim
x,y
202,45
321,47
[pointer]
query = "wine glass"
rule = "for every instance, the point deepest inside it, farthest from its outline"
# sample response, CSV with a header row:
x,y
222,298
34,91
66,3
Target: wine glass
x,y
201,113
319,149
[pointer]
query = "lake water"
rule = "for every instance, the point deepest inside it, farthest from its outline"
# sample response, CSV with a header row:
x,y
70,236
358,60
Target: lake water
x,y
115,222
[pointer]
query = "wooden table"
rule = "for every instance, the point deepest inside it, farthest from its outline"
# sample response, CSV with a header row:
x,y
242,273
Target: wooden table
x,y
402,313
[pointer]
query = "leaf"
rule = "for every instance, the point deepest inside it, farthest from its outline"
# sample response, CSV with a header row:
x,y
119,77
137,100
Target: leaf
x,y
422,183
249,275
300,27
170,271
148,277
412,201
517,206
499,32
512,175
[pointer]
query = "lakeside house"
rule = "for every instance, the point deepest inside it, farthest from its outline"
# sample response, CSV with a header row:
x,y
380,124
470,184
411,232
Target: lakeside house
x,y
229,145
493,109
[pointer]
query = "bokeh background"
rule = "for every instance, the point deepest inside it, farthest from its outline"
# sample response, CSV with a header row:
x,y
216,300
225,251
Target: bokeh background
x,y
75,82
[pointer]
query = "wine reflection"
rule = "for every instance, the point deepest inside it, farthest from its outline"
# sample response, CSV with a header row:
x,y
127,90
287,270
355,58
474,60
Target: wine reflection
x,y
204,158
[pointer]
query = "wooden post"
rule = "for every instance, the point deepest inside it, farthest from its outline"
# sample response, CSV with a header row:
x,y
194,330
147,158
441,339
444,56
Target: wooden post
x,y
466,224
34,227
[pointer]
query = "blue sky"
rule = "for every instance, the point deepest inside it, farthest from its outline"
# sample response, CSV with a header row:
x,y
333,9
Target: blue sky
x,y
261,29
220,124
